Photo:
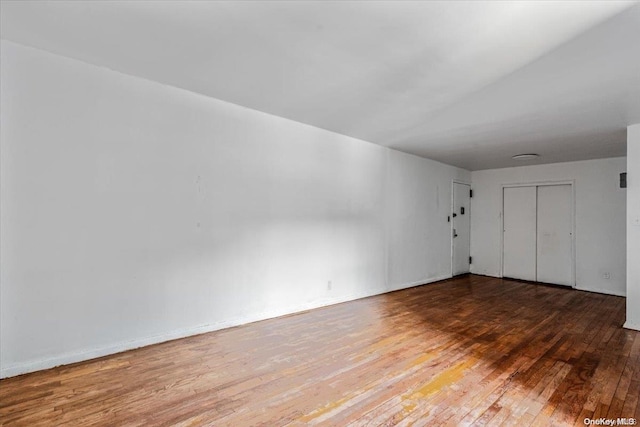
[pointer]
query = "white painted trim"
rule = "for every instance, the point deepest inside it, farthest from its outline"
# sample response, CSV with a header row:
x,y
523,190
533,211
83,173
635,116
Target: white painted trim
x,y
540,183
487,275
451,205
417,283
572,183
633,326
602,291
501,273
92,353
596,290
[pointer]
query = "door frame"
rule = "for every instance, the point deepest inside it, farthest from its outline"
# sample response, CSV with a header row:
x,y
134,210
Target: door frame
x,y
572,203
453,184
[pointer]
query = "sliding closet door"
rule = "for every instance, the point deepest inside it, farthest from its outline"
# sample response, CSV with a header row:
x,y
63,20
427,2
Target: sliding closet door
x,y
554,240
519,233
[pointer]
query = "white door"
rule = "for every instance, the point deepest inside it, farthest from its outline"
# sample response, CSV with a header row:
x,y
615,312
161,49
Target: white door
x,y
461,228
554,240
519,233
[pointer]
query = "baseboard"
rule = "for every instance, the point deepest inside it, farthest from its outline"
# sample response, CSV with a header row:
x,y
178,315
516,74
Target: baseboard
x,y
602,291
93,353
418,283
634,326
596,290
497,276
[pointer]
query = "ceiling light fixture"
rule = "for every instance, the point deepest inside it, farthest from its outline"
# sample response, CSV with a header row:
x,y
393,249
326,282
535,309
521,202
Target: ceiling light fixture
x,y
528,156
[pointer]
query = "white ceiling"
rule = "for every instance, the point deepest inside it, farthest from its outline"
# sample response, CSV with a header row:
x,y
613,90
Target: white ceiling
x,y
466,83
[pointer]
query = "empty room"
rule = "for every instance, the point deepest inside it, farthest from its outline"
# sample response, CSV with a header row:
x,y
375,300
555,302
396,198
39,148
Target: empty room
x,y
336,213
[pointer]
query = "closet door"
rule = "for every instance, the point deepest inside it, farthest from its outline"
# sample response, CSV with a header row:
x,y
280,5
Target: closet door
x,y
554,236
519,233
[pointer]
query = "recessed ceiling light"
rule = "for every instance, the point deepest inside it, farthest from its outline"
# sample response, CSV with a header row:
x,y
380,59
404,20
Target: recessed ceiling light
x,y
528,156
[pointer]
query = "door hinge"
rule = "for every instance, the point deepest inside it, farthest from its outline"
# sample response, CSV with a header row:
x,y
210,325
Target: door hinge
x,y
470,193
470,259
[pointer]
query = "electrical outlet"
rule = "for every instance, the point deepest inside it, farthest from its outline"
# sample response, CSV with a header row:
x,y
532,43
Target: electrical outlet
x,y
606,275
329,285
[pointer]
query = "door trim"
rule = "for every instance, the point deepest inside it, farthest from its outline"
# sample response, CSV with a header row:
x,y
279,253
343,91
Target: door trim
x,y
570,182
451,207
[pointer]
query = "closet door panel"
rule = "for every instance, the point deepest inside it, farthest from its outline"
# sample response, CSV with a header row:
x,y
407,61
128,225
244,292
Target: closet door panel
x,y
519,233
554,235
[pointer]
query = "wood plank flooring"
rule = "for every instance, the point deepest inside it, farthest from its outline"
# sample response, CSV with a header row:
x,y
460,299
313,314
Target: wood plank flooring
x,y
467,351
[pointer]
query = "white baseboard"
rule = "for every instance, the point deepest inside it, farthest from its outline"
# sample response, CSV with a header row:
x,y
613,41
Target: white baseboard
x,y
597,290
602,291
634,326
418,283
487,274
92,353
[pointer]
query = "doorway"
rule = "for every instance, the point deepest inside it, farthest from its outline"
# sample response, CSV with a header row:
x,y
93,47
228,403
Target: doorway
x,y
461,229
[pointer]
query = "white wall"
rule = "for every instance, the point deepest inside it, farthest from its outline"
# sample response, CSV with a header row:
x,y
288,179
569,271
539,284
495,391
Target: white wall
x,y
633,227
133,212
418,203
600,206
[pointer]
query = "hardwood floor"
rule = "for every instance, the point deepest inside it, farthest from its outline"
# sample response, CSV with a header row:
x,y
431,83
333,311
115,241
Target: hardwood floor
x,y
470,350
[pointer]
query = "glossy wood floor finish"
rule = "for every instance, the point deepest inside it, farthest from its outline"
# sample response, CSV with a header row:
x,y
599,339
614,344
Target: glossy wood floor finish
x,y
471,350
